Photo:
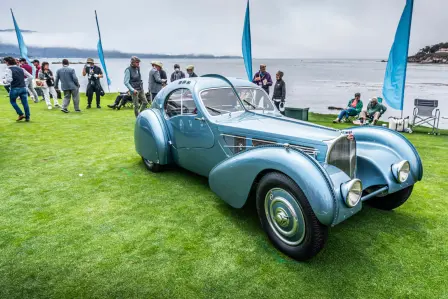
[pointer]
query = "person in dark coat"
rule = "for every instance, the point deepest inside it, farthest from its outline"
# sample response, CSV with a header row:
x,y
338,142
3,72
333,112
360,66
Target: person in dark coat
x,y
133,81
263,79
190,71
121,100
94,74
279,92
163,76
177,74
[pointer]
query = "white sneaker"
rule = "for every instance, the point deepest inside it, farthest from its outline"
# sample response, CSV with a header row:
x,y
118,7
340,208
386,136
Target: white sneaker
x,y
49,107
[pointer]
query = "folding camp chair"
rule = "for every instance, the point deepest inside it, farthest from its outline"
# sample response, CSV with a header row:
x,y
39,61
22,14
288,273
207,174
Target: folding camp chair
x,y
427,113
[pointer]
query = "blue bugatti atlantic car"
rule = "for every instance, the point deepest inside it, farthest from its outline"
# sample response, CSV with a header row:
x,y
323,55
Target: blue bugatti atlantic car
x,y
304,177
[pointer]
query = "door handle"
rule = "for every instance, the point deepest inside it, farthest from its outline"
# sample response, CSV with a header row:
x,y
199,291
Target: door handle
x,y
199,118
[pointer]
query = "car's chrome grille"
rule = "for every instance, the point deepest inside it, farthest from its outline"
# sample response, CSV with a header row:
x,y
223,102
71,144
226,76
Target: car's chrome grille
x,y
342,154
239,143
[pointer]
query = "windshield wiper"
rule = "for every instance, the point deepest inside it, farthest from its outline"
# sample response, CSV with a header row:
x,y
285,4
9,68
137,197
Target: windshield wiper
x,y
213,109
249,103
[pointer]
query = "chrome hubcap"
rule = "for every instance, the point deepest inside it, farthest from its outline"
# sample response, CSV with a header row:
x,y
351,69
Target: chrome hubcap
x,y
285,216
281,217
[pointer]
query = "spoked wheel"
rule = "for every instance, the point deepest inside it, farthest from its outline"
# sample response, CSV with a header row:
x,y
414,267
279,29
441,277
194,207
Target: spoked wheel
x,y
152,166
288,219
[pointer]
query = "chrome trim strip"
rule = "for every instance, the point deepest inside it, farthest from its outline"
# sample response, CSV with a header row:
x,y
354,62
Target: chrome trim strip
x,y
308,150
373,194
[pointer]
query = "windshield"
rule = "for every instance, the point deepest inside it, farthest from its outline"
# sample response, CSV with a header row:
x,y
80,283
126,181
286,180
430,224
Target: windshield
x,y
223,100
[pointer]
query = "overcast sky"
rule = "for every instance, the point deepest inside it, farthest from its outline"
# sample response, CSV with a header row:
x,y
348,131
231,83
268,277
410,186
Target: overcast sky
x,y
280,28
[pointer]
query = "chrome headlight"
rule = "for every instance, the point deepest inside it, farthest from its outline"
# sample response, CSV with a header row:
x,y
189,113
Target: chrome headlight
x,y
401,171
352,192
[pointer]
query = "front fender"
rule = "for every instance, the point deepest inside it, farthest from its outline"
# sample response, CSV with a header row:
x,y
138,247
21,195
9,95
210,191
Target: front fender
x,y
378,149
151,137
233,178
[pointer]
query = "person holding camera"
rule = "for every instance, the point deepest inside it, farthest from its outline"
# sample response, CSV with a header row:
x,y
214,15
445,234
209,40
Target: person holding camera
x,y
263,79
94,74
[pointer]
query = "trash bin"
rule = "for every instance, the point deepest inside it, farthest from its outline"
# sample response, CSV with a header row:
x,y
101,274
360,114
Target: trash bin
x,y
297,113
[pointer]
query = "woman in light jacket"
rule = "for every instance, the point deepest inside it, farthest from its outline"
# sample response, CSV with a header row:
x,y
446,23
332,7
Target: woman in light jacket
x,y
47,78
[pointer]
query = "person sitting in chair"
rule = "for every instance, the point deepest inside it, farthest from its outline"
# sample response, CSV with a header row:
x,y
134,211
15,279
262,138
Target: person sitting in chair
x,y
354,107
374,111
121,100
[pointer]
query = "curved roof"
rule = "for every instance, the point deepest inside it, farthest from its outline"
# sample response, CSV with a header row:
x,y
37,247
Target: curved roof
x,y
200,83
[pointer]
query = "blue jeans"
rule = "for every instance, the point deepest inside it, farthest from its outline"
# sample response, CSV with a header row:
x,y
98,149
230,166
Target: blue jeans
x,y
21,92
347,112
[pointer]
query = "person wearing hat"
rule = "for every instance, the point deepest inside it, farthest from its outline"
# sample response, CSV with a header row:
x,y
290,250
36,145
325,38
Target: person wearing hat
x,y
190,71
155,82
263,78
94,74
279,92
354,107
178,74
133,81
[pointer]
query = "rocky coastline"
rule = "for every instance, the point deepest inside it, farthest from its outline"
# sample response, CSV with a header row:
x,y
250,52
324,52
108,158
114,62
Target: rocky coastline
x,y
435,54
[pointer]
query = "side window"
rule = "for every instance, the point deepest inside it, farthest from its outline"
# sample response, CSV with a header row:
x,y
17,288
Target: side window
x,y
180,102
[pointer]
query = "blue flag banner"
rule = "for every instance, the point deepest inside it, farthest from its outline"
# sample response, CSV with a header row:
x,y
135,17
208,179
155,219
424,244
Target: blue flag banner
x,y
100,51
247,44
22,47
395,77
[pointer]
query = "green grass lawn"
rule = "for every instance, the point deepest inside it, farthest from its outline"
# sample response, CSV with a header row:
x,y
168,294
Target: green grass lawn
x,y
120,231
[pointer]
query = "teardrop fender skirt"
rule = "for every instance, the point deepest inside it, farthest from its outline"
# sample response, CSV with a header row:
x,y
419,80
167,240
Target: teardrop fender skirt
x,y
151,137
232,179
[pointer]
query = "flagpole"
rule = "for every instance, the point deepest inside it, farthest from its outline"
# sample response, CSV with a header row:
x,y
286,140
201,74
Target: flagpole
x,y
21,43
101,52
247,43
396,69
407,55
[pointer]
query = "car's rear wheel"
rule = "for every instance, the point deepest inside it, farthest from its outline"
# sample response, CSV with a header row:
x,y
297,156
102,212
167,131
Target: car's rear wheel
x,y
152,166
391,201
288,219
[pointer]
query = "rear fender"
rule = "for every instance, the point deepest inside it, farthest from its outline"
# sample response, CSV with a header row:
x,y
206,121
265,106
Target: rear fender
x,y
151,137
233,178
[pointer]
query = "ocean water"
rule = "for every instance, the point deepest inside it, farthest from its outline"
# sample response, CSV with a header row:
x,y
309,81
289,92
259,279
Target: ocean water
x,y
314,84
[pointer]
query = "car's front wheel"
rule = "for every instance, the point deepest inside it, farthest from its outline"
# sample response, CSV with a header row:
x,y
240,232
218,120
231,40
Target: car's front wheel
x,y
288,219
152,166
391,201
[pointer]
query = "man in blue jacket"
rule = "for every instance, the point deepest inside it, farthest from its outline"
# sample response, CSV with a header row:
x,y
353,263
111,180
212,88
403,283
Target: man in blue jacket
x,y
263,78
15,77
